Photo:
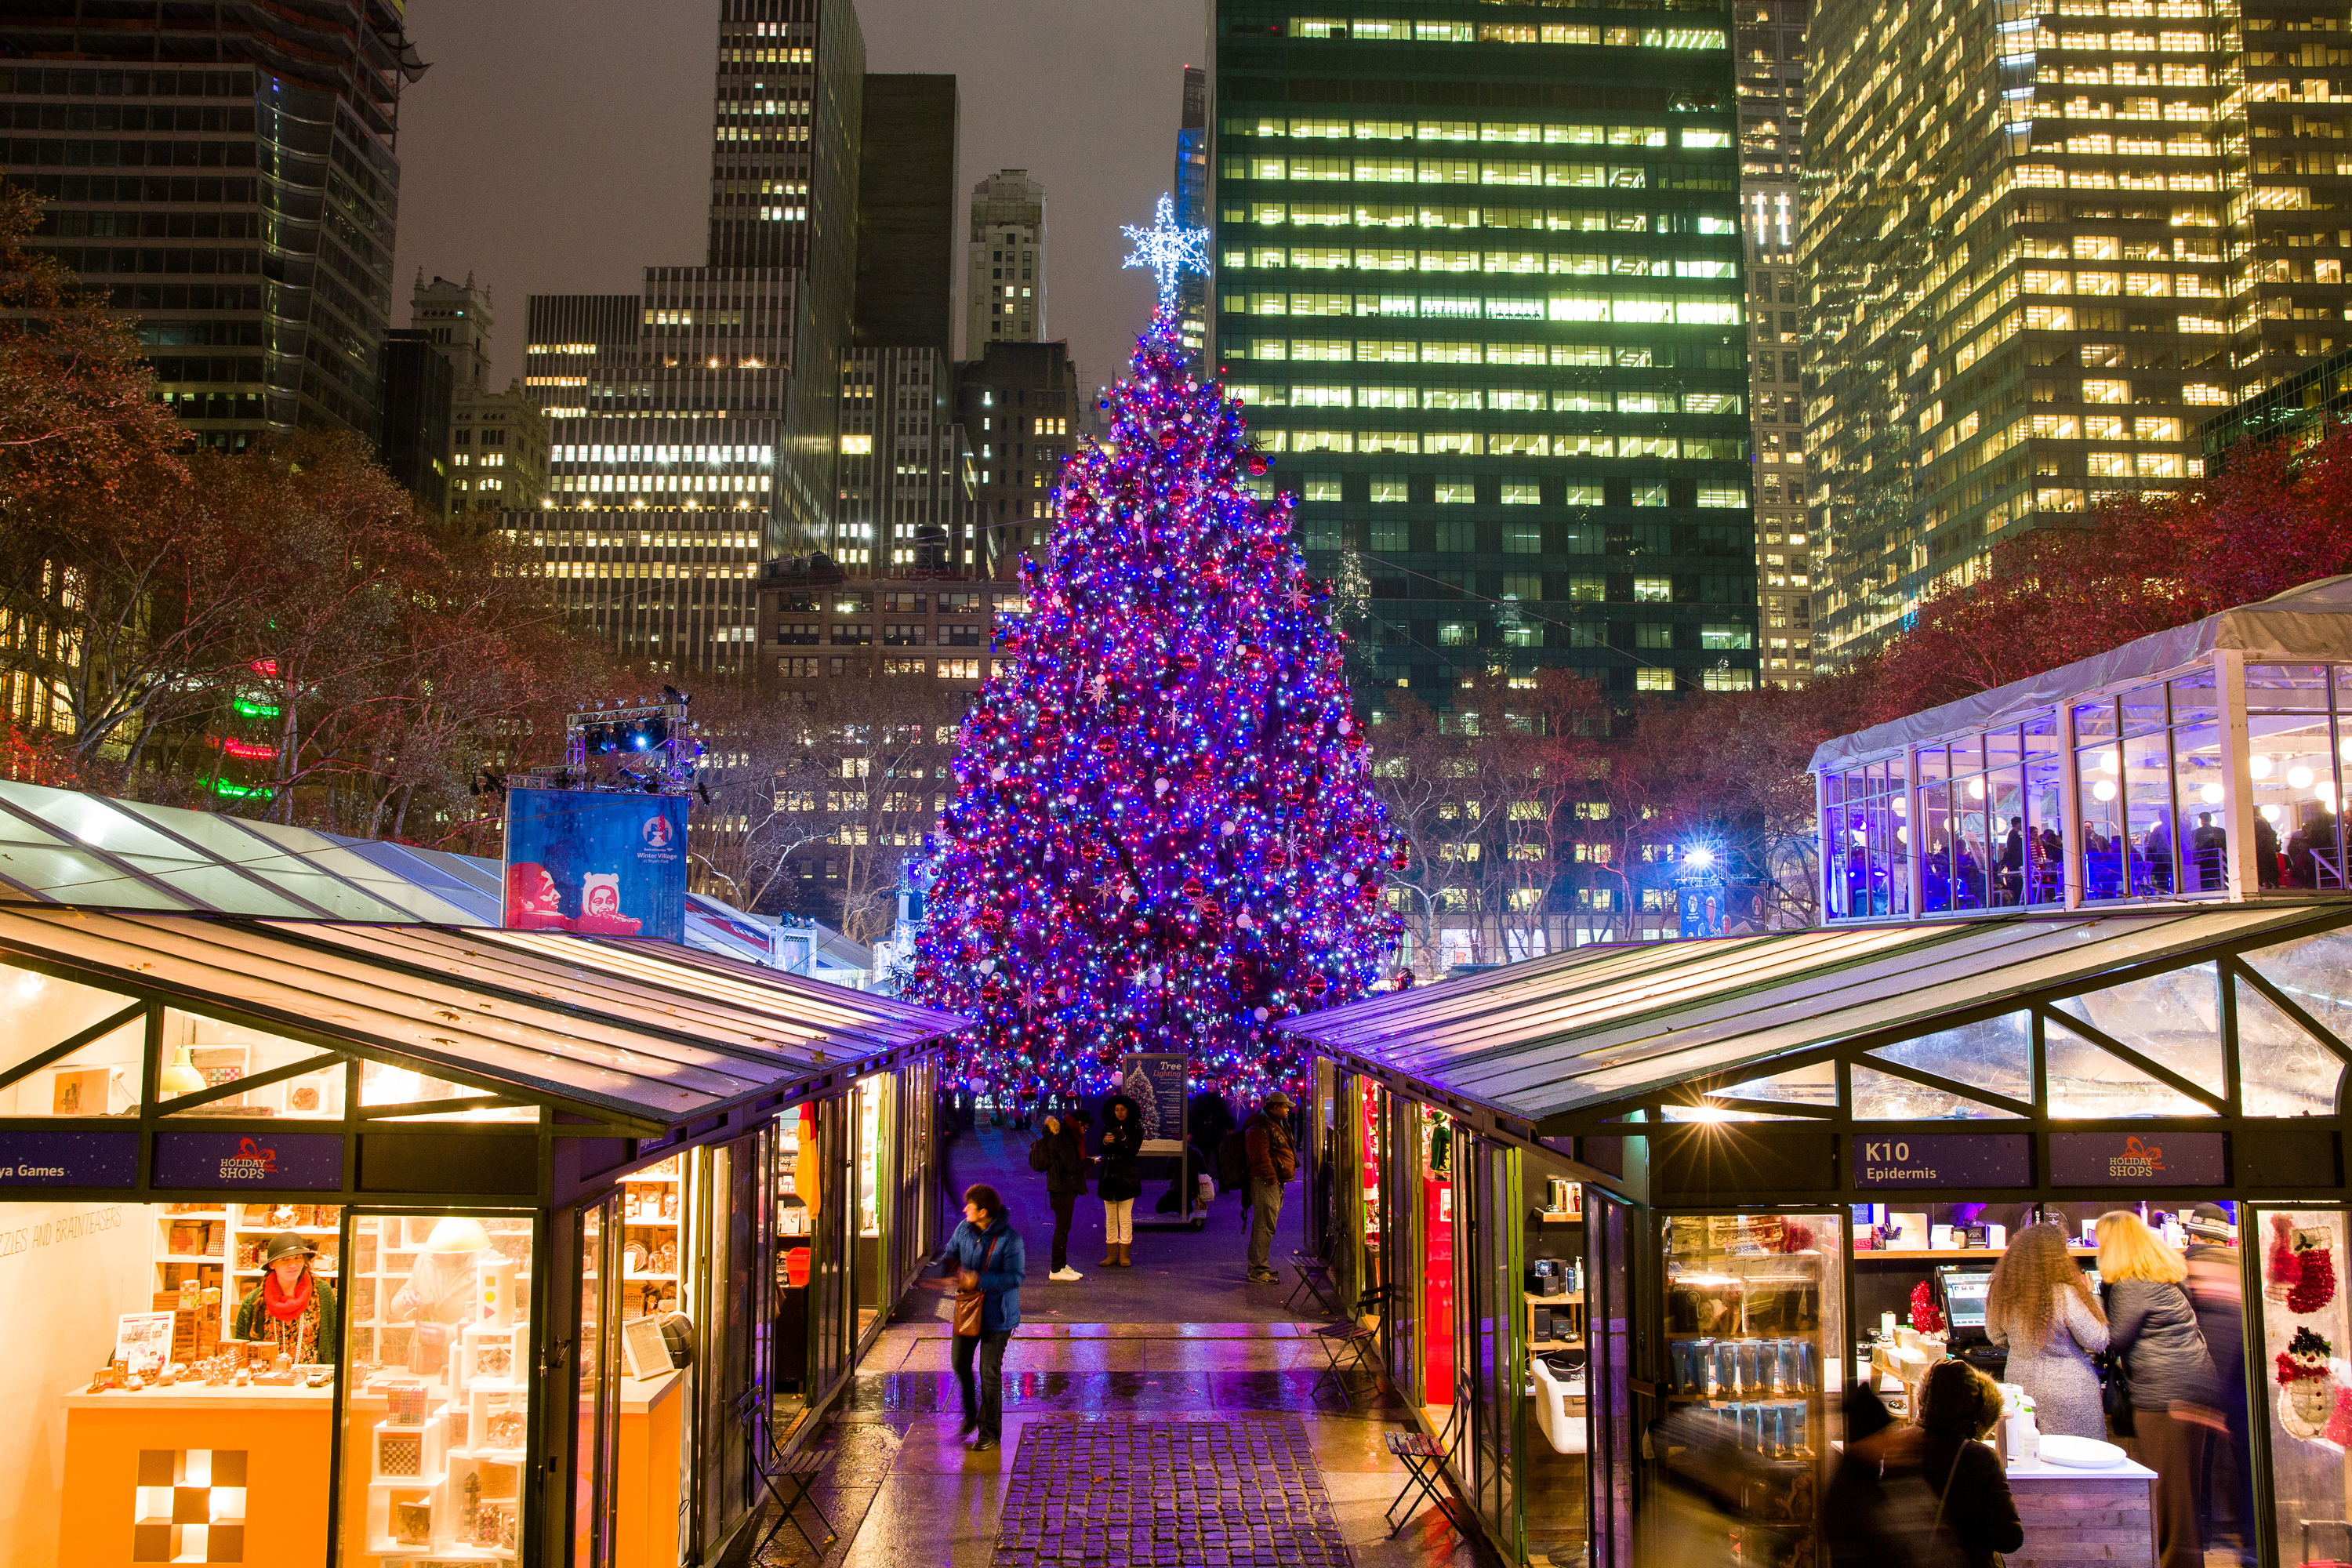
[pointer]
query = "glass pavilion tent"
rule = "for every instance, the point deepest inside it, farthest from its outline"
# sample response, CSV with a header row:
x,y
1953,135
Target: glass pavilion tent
x,y
1777,1106
505,1149
2209,762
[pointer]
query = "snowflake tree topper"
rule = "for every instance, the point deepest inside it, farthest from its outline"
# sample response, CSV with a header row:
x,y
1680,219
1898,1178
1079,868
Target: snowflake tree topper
x,y
1169,250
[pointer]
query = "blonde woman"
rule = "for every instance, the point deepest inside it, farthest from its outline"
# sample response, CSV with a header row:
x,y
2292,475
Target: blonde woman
x,y
2152,1327
2042,1308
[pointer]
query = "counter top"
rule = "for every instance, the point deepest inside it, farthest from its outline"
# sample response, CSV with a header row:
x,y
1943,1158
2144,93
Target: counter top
x,y
203,1396
2035,1470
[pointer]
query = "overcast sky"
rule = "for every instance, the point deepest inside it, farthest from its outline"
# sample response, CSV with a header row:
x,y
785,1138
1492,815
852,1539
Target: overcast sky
x,y
563,146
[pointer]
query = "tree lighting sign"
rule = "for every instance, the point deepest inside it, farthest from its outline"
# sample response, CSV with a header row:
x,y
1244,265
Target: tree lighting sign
x,y
1943,1160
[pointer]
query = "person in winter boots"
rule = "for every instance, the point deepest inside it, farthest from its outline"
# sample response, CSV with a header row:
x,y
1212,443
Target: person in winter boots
x,y
1119,1180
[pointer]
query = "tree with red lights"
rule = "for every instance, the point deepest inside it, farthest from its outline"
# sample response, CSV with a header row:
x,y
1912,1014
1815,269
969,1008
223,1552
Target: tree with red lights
x,y
1164,835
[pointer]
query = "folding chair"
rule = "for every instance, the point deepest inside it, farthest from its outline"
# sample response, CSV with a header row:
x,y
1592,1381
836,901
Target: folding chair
x,y
787,1477
1314,1275
1424,1458
1351,1345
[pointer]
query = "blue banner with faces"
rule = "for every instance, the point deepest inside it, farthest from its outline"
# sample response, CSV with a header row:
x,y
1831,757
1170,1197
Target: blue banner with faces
x,y
597,863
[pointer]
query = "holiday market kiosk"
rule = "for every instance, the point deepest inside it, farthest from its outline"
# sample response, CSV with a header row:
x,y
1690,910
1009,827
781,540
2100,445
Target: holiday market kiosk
x,y
581,1218
1782,1140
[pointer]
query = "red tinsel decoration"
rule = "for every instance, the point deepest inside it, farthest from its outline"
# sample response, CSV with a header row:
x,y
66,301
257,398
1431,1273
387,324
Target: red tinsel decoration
x,y
2315,1282
1926,1316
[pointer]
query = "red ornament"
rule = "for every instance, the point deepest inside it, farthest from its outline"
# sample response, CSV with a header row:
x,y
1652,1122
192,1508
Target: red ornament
x,y
1193,888
1276,859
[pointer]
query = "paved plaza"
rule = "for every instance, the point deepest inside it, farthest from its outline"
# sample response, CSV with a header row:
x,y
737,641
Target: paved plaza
x,y
1170,1415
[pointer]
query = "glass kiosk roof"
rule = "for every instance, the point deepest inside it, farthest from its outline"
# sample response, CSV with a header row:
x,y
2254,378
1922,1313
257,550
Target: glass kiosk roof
x,y
1930,1020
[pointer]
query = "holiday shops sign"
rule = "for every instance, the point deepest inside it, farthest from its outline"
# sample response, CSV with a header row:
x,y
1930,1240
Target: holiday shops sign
x,y
2149,1159
297,1161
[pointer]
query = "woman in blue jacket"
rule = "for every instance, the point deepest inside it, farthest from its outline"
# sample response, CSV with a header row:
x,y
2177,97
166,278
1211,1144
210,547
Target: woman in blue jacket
x,y
986,1255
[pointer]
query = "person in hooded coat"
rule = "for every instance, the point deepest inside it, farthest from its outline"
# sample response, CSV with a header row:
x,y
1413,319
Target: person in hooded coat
x,y
1120,1178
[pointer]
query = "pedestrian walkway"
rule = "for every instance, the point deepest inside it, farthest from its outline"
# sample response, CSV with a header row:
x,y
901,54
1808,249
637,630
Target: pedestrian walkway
x,y
1188,1431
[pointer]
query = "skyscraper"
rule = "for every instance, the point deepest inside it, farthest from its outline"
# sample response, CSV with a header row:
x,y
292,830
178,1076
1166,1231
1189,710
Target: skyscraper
x,y
693,423
1192,192
1769,35
1479,284
906,214
1005,297
2040,245
497,454
228,172
1022,408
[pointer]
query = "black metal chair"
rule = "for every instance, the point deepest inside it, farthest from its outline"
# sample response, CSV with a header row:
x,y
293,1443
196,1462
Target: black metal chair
x,y
1314,1278
787,1477
1351,1345
1424,1459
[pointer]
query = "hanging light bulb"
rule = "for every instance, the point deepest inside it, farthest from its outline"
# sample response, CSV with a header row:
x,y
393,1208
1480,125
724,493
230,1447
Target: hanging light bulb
x,y
181,1076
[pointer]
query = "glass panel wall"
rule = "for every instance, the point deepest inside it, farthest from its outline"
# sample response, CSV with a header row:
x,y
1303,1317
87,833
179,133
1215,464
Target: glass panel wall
x,y
2305,1330
438,1407
599,1340
2298,752
1986,826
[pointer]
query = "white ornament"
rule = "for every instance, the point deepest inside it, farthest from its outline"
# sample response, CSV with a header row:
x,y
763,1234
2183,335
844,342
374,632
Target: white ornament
x,y
1347,726
1347,879
1263,1015
997,772
1159,786
1227,829
987,966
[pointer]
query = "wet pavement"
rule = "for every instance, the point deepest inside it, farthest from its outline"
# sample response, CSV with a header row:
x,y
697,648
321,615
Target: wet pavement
x,y
1146,1423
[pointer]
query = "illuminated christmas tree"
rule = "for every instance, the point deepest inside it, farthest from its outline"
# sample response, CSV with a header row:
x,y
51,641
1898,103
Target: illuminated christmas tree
x,y
1164,835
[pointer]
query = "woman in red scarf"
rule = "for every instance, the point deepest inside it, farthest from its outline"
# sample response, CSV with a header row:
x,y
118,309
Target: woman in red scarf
x,y
292,1311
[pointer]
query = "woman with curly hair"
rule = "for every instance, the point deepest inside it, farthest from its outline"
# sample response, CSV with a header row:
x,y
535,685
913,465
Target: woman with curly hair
x,y
2042,1308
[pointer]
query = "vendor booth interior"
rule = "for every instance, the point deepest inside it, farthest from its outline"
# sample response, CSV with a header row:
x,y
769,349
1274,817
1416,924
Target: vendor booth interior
x,y
1794,1160
407,1244
2087,951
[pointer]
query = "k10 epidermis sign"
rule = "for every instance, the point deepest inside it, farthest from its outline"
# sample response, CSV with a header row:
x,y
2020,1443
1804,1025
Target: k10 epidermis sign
x,y
1943,1160
600,865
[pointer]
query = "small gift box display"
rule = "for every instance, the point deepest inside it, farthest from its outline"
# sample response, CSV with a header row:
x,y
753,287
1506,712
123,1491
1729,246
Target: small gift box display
x,y
399,1453
406,1401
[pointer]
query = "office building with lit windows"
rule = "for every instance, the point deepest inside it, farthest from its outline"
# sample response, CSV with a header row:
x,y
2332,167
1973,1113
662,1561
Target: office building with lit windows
x,y
1023,411
1478,283
2041,246
1770,38
692,424
1191,193
1004,295
227,175
496,453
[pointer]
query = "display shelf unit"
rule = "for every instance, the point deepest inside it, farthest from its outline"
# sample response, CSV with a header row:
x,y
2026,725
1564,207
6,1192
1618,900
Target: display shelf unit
x,y
227,1262
653,1205
377,1272
1754,1320
1898,1254
1573,1301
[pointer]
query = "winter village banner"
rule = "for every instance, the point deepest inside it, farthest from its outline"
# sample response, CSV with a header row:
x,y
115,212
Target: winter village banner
x,y
598,864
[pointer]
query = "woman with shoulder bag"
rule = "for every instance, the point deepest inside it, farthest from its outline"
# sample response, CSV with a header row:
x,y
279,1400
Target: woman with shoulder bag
x,y
2152,1331
1957,1406
988,1260
1120,1179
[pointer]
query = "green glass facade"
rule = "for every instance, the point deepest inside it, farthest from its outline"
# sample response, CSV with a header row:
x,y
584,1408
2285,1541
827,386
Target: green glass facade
x,y
1479,285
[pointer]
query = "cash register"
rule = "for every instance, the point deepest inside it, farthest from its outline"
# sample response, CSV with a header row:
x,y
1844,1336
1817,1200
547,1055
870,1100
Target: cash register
x,y
1961,1290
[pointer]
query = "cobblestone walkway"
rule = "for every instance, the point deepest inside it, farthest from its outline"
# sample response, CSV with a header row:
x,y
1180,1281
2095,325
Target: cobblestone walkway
x,y
1167,1494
